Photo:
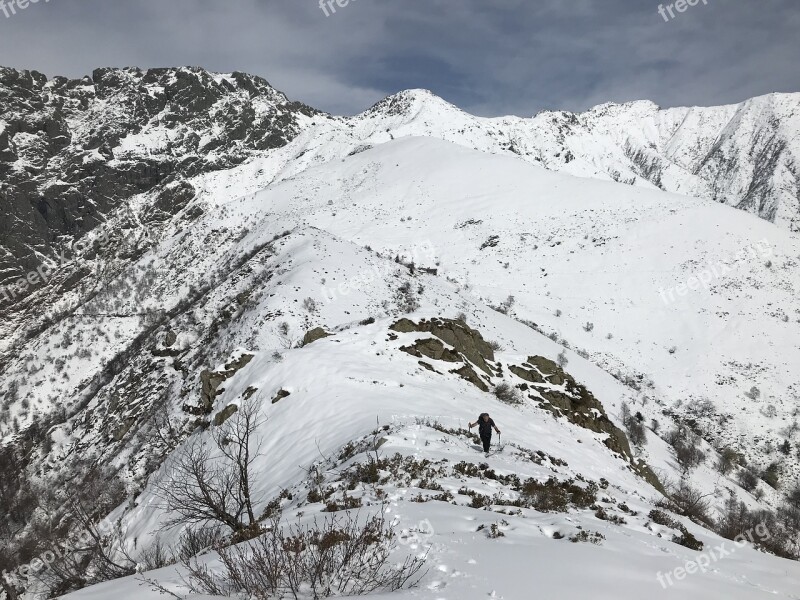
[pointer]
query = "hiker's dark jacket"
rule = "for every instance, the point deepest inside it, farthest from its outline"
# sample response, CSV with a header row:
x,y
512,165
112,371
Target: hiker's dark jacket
x,y
485,427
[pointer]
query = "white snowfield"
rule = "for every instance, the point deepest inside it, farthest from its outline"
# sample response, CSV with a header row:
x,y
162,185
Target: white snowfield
x,y
743,155
697,298
360,380
683,299
597,251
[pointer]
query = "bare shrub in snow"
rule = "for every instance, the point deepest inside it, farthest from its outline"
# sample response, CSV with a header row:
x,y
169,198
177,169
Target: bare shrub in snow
x,y
771,475
624,411
195,541
689,456
687,501
774,531
686,539
507,393
546,496
406,300
75,514
636,432
634,425
506,306
285,337
493,531
735,519
702,408
793,500
754,393
212,482
687,448
340,557
155,557
593,537
728,459
748,480
562,359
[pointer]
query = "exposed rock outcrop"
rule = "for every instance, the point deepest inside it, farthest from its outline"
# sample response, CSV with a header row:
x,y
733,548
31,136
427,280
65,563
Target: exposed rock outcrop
x,y
313,335
225,414
465,341
211,381
280,396
64,167
546,382
558,392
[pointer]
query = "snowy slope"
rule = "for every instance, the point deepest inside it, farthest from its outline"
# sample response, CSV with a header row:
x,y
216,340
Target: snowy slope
x,y
560,236
689,300
744,155
675,304
362,381
72,151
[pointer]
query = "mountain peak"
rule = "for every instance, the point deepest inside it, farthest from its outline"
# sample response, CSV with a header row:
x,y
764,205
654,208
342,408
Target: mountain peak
x,y
172,78
632,106
410,102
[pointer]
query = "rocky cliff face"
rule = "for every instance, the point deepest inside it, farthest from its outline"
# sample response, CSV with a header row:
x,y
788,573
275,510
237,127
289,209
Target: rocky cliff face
x,y
73,150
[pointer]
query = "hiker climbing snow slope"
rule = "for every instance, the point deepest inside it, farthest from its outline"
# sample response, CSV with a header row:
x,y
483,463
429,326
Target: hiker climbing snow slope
x,y
485,425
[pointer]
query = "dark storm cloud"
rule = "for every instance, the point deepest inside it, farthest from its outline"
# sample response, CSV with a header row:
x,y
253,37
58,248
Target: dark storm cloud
x,y
488,56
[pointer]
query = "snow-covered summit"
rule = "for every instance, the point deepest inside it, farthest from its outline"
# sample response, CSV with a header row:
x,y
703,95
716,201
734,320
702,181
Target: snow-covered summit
x,y
382,279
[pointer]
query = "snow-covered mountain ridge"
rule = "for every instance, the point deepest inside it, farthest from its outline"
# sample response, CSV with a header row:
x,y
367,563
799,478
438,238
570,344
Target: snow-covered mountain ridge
x,y
470,517
744,155
72,150
209,285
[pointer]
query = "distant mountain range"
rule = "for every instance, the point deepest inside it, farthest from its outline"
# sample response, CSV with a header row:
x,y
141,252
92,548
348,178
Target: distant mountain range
x,y
175,243
71,151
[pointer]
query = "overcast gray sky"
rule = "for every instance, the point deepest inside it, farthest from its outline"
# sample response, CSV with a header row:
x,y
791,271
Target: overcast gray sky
x,y
490,57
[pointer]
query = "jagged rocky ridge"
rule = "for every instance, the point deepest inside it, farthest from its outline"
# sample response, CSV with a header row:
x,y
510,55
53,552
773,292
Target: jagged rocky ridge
x,y
542,380
71,151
